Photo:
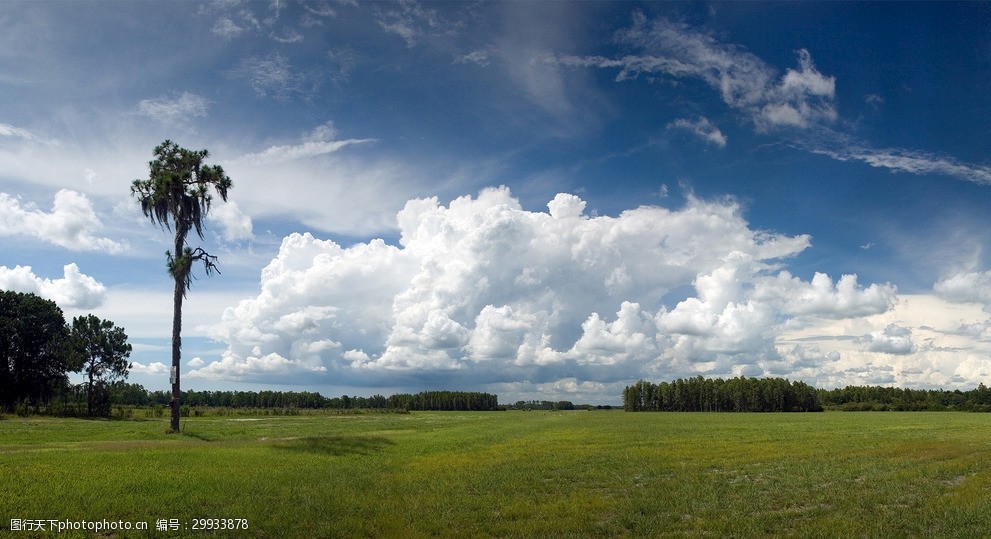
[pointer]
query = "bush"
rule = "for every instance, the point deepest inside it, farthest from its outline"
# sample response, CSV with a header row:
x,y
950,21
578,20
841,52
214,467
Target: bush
x,y
22,409
59,409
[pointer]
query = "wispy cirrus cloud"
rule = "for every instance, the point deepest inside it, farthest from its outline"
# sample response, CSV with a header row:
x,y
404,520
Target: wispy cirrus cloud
x,y
801,98
478,56
322,140
273,76
410,21
175,110
26,135
289,36
267,75
910,161
321,185
702,128
291,152
7,130
234,20
226,28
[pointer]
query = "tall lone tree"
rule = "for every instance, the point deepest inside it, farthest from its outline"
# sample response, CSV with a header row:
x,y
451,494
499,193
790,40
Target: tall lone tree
x,y
176,197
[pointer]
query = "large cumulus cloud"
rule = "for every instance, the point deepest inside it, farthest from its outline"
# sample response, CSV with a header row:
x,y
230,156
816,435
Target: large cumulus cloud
x,y
75,290
485,292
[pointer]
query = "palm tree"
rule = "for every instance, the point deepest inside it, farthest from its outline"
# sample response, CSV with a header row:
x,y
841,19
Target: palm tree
x,y
176,197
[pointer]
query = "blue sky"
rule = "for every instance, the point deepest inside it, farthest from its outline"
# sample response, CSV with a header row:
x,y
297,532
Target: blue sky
x,y
541,200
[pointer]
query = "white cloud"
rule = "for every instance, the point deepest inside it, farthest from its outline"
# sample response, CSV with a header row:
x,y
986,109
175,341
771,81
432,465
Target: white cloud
x,y
98,164
567,388
154,368
273,76
321,141
177,111
974,329
70,224
480,57
323,10
237,226
847,299
485,289
966,287
800,98
892,339
874,101
410,22
237,19
313,291
290,36
344,61
226,28
7,130
356,195
146,313
922,342
974,368
703,129
739,313
279,154
910,161
74,290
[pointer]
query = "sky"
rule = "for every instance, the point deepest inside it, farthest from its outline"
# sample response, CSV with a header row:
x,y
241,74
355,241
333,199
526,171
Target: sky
x,y
541,200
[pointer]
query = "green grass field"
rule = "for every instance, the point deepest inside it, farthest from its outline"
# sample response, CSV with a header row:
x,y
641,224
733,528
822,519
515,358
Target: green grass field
x,y
509,474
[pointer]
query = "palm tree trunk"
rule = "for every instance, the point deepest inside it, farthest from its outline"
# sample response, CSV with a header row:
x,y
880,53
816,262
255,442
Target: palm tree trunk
x,y
180,290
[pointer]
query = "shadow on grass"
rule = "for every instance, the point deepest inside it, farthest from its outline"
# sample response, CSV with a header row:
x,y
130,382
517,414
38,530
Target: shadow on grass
x,y
336,445
197,435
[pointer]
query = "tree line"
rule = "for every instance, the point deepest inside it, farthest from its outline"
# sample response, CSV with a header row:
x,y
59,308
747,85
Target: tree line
x,y
38,349
546,405
877,398
445,400
717,395
126,394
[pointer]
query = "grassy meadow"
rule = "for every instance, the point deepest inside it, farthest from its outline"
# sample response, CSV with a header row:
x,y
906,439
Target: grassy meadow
x,y
510,474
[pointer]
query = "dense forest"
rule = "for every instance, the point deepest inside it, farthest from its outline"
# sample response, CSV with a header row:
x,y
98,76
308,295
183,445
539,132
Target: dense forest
x,y
717,395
